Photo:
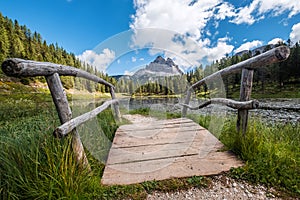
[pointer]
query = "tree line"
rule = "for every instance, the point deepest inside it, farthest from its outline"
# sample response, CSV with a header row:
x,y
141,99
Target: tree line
x,y
18,41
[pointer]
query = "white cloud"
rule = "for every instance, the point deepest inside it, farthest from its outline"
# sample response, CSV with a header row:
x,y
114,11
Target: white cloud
x,y
275,41
128,73
257,10
183,19
221,49
176,27
225,10
173,15
249,46
295,34
133,59
244,14
100,61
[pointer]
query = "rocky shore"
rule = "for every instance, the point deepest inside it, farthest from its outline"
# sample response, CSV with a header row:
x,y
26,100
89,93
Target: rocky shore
x,y
222,187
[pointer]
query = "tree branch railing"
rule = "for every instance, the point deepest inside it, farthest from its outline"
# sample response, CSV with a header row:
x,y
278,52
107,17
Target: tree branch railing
x,y
16,67
67,127
247,105
247,67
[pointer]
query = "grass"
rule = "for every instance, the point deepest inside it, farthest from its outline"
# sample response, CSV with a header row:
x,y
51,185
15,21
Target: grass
x,y
35,165
156,114
271,153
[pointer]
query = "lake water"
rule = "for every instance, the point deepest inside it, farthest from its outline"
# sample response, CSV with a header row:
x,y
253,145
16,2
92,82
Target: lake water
x,y
172,105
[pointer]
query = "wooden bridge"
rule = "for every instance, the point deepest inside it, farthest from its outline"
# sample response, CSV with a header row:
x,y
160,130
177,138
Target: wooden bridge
x,y
156,149
161,149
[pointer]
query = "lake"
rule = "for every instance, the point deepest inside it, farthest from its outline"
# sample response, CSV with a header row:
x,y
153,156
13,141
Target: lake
x,y
172,105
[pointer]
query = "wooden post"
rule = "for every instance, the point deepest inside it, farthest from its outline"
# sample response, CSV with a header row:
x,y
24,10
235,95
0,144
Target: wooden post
x,y
245,93
116,105
186,102
65,114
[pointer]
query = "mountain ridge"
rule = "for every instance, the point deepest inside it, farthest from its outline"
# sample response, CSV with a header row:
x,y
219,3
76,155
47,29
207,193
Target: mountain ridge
x,y
159,67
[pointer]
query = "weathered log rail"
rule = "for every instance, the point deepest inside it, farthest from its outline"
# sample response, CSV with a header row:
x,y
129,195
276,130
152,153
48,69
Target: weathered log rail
x,y
67,127
247,105
277,54
16,67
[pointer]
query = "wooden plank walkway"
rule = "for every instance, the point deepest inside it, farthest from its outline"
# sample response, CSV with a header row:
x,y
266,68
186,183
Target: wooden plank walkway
x,y
162,149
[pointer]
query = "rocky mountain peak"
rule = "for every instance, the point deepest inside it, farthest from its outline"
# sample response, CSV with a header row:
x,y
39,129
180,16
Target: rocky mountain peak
x,y
160,67
159,60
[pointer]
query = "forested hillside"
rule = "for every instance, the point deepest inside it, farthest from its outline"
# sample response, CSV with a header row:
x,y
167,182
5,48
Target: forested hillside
x,y
20,42
268,80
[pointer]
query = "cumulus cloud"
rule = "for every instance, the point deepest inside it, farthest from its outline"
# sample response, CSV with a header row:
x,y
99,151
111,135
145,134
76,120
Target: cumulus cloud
x,y
99,60
183,19
249,46
295,34
175,27
175,15
258,9
275,41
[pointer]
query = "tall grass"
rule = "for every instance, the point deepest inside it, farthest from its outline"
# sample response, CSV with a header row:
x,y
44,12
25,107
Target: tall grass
x,y
271,152
35,165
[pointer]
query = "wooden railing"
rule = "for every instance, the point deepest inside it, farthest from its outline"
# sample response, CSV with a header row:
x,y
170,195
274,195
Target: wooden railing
x,y
247,67
27,68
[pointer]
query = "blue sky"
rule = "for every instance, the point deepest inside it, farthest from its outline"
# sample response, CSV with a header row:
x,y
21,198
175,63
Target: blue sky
x,y
119,36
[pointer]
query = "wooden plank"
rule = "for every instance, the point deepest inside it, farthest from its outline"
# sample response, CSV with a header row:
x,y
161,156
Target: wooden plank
x,y
176,152
163,136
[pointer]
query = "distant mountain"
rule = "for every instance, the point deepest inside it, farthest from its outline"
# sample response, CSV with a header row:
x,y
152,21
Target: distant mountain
x,y
159,67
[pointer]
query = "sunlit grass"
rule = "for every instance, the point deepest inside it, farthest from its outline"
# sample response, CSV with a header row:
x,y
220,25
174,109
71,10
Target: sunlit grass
x,y
271,153
35,165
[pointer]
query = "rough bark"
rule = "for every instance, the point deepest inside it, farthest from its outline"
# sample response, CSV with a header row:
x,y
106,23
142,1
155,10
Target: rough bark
x,y
64,112
115,105
70,125
277,54
253,104
274,55
245,94
17,67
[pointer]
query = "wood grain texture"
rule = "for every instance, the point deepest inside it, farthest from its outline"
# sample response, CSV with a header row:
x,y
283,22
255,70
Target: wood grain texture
x,y
68,126
28,68
245,94
252,104
173,148
277,54
65,114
